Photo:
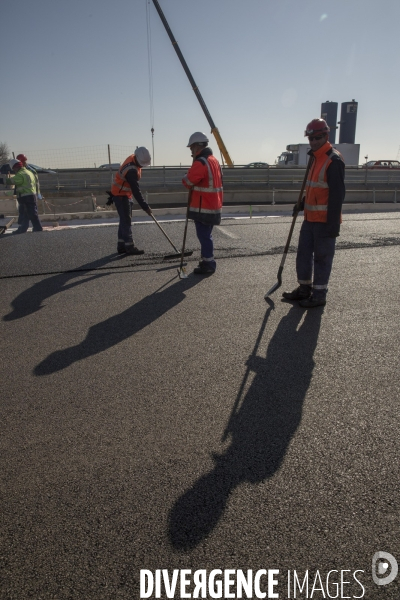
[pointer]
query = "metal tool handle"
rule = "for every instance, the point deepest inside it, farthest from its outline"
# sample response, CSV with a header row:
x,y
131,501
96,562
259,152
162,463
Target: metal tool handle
x,y
296,212
170,241
310,161
186,226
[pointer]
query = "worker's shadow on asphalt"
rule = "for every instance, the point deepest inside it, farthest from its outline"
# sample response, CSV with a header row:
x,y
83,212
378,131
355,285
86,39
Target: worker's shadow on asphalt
x,y
31,300
120,327
263,421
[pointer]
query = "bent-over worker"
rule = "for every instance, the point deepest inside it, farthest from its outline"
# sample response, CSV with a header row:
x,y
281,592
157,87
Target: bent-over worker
x,y
126,185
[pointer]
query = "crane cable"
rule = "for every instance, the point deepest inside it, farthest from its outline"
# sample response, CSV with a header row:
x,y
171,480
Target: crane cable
x,y
150,71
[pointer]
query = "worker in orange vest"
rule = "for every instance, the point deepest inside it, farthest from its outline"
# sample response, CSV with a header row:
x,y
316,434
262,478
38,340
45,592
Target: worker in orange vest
x,y
204,179
322,205
126,185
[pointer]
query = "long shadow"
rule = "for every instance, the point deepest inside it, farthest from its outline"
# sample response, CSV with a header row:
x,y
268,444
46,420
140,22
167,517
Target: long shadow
x,y
118,328
260,428
31,300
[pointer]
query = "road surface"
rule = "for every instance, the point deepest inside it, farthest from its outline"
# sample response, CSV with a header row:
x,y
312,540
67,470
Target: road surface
x,y
153,423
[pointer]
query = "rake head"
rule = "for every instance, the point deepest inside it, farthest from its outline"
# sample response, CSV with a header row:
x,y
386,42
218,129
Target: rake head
x,y
273,289
277,284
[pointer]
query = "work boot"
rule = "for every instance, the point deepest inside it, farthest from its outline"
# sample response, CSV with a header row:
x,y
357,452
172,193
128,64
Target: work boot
x,y
130,250
312,302
300,293
203,269
121,248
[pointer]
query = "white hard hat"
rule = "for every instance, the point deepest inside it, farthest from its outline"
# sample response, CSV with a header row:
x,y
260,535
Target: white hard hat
x,y
14,162
197,138
143,156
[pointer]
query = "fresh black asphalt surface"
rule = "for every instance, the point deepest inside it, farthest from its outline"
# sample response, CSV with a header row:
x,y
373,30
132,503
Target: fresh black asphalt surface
x,y
149,422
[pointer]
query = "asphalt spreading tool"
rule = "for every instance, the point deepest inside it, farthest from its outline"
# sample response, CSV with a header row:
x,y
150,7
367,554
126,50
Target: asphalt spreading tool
x,y
295,213
181,270
177,253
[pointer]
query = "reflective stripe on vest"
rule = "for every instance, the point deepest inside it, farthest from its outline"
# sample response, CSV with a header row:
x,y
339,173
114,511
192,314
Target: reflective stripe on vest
x,y
205,210
121,187
321,183
315,207
210,187
317,189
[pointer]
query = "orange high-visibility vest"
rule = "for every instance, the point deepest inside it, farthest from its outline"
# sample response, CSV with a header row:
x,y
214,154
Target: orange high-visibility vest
x,y
121,187
205,179
317,190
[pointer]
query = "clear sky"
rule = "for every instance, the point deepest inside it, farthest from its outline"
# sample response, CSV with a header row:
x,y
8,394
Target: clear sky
x,y
75,74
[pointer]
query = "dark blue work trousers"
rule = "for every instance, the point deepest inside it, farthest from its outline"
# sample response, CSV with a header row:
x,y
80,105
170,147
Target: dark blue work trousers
x,y
204,235
21,210
28,211
315,256
124,209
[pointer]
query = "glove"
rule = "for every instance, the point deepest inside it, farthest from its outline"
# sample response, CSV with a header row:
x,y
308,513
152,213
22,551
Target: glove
x,y
110,199
332,230
149,211
298,208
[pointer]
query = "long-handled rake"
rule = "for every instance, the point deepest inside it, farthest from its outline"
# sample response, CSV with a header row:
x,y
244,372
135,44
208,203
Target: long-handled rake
x,y
170,256
181,270
296,212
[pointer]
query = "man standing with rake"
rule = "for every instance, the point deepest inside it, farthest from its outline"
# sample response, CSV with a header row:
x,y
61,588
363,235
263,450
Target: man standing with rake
x,y
204,179
322,205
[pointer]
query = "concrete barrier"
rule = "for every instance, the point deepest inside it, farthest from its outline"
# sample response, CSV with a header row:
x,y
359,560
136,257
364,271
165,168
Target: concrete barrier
x,y
84,190
249,210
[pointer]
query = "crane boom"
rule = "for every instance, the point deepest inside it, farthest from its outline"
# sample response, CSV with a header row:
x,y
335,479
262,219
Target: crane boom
x,y
214,129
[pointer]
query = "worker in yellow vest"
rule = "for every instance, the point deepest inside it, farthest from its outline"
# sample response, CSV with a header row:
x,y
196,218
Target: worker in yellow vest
x,y
21,208
25,188
126,185
322,205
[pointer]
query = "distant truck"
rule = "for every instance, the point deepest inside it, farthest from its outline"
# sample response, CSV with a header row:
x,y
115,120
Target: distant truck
x,y
296,155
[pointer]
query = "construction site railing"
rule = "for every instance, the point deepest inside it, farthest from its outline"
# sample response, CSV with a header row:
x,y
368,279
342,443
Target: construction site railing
x,y
85,181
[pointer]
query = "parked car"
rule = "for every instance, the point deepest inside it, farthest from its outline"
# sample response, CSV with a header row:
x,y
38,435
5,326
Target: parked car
x,y
256,165
114,166
5,169
383,164
41,169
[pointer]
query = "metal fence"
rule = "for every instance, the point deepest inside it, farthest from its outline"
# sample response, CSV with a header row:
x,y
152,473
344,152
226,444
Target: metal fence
x,y
84,190
82,181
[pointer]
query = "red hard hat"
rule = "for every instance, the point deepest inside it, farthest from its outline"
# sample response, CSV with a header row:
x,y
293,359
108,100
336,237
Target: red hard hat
x,y
22,157
316,126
